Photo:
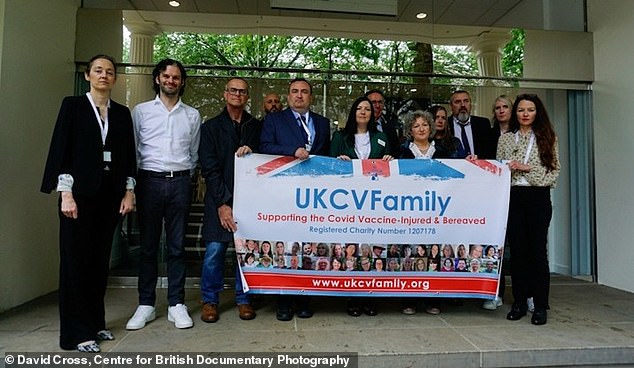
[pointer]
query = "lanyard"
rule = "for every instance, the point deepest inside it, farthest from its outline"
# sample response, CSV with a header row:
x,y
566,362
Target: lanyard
x,y
303,120
103,124
530,145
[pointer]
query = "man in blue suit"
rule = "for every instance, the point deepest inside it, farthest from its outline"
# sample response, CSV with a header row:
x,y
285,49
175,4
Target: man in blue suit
x,y
299,132
296,131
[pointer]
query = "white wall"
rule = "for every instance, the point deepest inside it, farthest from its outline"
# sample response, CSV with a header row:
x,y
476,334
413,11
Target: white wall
x,y
612,22
36,71
558,55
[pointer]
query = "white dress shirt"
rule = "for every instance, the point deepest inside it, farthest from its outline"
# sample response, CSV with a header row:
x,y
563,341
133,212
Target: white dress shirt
x,y
166,140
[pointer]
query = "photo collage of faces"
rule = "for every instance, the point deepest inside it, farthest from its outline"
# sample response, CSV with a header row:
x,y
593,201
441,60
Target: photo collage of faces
x,y
369,257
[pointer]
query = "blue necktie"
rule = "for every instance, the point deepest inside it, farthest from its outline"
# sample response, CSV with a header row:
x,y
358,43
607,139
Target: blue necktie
x,y
303,127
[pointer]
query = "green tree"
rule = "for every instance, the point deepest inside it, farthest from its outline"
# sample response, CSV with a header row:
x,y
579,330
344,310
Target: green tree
x,y
513,54
327,53
264,52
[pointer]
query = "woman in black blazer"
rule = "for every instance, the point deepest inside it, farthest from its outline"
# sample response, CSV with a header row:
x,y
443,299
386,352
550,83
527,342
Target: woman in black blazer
x,y
91,163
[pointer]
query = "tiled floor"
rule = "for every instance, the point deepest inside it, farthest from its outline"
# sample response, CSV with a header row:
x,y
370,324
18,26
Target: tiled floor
x,y
589,325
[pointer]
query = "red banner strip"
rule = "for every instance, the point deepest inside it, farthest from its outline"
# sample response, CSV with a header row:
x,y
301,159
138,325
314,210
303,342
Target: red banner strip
x,y
389,283
274,164
375,168
487,166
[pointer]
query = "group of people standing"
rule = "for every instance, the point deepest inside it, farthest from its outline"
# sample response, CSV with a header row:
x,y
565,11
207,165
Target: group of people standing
x,y
103,159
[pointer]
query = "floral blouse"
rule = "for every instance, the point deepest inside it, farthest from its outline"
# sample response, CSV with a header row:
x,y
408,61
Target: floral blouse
x,y
513,146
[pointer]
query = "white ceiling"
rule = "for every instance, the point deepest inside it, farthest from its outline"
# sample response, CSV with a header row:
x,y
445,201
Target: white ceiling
x,y
447,21
487,13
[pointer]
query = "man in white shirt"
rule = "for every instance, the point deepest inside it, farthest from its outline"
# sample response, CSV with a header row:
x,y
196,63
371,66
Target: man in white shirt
x,y
167,134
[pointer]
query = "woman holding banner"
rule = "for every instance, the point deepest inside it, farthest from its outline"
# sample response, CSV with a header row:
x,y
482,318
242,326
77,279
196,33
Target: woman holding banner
x,y
531,151
420,129
360,139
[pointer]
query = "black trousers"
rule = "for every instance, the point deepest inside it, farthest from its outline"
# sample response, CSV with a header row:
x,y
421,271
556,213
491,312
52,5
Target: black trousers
x,y
85,245
163,202
530,212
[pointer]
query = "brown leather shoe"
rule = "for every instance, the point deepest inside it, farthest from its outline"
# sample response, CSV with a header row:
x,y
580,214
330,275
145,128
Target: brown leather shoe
x,y
246,311
209,313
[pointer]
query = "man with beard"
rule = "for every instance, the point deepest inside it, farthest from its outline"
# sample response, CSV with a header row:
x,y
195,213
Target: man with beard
x,y
474,132
167,134
272,103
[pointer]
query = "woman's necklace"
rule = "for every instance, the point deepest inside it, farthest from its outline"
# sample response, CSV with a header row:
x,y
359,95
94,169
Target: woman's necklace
x,y
423,149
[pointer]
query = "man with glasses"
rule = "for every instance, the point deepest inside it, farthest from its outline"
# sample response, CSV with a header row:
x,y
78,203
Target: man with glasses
x,y
384,122
234,132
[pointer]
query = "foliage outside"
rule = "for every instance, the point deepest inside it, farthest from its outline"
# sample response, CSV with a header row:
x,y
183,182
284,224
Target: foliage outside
x,y
324,53
344,67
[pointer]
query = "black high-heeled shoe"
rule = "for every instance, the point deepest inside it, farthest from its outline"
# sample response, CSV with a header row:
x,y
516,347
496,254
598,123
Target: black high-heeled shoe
x,y
517,312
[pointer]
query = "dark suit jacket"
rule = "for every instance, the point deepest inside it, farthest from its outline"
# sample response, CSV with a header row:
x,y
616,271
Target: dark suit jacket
x,y
389,125
485,146
218,145
281,135
341,146
76,147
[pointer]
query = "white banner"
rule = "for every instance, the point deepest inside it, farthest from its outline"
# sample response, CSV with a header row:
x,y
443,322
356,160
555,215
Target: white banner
x,y
298,214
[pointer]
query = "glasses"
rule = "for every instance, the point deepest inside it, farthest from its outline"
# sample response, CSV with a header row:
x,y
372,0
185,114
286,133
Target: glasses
x,y
237,91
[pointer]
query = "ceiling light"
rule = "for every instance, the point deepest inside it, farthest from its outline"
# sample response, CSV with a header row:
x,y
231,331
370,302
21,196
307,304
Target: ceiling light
x,y
174,3
421,15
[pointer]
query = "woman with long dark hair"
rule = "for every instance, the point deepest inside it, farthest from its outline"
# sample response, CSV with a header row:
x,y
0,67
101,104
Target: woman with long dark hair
x,y
446,144
531,151
360,138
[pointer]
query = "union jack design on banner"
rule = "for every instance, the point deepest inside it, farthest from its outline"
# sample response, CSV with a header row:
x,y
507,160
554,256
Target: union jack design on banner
x,y
326,166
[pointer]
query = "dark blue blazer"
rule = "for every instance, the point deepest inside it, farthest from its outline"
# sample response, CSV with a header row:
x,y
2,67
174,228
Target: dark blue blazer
x,y
282,135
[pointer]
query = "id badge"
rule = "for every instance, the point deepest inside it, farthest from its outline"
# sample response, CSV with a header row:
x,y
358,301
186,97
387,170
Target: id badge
x,y
308,147
107,156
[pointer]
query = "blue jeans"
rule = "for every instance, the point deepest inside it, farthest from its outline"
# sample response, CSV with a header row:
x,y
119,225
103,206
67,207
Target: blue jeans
x,y
212,275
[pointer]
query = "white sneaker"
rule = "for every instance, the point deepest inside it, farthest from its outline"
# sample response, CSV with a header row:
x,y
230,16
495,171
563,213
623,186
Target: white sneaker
x,y
493,304
143,315
531,305
178,314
